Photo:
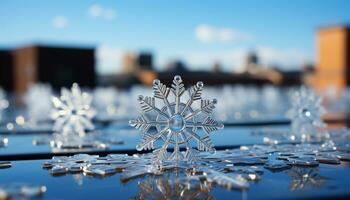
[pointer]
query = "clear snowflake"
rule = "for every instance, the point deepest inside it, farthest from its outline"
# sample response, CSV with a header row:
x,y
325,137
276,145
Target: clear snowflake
x,y
176,123
305,113
72,112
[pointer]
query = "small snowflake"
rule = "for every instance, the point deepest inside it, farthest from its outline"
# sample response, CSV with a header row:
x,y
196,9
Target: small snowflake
x,y
3,102
306,112
72,112
175,123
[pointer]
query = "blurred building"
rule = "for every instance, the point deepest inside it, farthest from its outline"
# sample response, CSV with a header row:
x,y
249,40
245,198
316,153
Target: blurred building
x,y
255,69
132,63
6,70
333,58
251,62
177,66
58,66
145,61
129,63
136,68
216,67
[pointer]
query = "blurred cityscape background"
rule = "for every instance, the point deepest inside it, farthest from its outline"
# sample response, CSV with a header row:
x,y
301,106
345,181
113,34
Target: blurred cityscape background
x,y
125,43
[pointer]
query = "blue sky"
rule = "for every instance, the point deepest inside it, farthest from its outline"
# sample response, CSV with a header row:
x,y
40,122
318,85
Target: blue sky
x,y
199,32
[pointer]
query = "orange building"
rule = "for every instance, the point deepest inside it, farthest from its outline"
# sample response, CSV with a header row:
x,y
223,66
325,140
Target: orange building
x,y
333,58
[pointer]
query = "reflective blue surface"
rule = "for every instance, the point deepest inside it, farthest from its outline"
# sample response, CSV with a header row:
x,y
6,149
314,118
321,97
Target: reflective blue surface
x,y
276,185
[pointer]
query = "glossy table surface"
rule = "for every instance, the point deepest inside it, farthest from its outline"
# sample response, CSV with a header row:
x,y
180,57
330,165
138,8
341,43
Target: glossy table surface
x,y
273,185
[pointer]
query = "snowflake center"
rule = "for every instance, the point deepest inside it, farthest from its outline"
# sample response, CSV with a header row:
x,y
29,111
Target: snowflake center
x,y
176,123
306,112
74,112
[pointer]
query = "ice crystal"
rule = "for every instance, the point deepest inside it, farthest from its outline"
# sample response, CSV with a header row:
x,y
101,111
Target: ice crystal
x,y
72,112
175,123
305,113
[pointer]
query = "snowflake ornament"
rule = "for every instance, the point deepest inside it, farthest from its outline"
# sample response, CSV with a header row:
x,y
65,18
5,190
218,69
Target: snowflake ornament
x,y
72,112
305,113
176,123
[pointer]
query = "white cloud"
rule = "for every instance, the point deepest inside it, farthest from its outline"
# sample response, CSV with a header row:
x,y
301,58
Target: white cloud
x,y
60,22
108,59
285,59
99,11
209,34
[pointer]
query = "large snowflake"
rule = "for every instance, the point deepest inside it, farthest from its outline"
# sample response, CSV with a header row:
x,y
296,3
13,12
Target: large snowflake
x,y
176,123
305,112
72,112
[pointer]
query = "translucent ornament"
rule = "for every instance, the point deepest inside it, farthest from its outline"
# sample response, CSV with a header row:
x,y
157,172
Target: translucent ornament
x,y
176,123
72,112
305,113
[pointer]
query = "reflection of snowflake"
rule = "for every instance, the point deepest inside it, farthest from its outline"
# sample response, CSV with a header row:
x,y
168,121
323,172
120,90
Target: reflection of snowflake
x,y
305,178
306,112
176,123
173,186
72,111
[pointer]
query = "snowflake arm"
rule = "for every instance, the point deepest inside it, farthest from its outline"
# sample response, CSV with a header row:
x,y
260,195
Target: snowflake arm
x,y
178,89
195,94
148,104
209,125
160,154
161,91
148,140
207,106
143,123
204,144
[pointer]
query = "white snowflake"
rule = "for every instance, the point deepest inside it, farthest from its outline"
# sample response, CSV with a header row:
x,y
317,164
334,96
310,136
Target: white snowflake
x,y
305,113
176,123
72,112
3,102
